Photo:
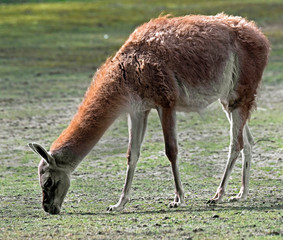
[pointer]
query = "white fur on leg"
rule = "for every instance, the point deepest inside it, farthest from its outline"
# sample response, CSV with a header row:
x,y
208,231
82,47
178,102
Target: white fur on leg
x,y
137,126
246,158
125,196
236,123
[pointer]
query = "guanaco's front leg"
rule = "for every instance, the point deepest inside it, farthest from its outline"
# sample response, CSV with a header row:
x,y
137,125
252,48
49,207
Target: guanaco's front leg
x,y
137,126
168,120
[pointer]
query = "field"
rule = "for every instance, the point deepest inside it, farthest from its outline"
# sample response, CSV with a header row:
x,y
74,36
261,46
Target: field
x,y
48,55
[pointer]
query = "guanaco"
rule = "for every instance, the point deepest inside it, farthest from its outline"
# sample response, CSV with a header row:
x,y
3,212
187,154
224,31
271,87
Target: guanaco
x,y
169,64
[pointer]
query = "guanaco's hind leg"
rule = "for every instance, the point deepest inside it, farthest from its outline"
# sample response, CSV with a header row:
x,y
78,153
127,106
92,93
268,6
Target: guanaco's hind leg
x,y
240,139
246,158
137,126
168,121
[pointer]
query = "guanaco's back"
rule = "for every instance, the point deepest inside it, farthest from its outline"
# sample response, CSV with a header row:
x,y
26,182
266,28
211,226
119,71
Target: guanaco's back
x,y
194,60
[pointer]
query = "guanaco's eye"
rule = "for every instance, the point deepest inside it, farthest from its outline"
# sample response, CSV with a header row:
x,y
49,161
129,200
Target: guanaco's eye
x,y
48,183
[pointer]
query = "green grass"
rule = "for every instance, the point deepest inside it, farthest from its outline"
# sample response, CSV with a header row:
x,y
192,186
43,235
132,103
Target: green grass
x,y
70,36
49,51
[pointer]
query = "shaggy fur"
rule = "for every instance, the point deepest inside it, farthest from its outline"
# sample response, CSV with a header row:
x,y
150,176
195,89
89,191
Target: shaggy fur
x,y
159,60
172,64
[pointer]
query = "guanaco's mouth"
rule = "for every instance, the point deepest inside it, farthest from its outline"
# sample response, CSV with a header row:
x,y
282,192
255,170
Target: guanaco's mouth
x,y
52,209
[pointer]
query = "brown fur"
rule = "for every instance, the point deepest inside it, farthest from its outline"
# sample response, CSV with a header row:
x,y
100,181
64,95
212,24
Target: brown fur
x,y
158,58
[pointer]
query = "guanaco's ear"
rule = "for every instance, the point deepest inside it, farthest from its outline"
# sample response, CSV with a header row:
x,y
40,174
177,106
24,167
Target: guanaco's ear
x,y
38,149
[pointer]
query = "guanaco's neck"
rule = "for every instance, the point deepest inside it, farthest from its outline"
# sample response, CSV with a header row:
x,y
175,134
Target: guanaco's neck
x,y
102,104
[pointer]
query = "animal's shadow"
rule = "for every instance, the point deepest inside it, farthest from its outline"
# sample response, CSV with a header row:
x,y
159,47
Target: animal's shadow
x,y
223,207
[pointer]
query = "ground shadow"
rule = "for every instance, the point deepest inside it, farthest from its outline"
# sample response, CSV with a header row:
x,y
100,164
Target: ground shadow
x,y
223,207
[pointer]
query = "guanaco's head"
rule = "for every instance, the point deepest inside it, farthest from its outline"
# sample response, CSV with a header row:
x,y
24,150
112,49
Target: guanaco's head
x,y
54,181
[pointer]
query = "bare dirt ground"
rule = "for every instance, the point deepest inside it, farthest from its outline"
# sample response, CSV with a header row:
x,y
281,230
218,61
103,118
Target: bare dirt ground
x,y
98,180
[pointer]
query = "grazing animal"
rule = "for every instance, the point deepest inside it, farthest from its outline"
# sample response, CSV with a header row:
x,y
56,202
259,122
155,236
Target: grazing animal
x,y
170,64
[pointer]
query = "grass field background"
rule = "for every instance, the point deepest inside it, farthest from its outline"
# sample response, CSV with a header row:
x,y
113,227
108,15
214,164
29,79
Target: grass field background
x,y
49,51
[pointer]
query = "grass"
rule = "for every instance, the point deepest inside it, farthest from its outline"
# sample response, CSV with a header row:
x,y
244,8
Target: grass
x,y
49,51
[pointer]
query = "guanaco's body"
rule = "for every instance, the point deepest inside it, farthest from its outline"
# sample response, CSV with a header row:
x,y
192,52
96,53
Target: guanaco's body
x,y
168,64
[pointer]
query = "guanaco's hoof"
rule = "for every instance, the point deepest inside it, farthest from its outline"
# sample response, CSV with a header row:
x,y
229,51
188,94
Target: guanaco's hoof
x,y
211,202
